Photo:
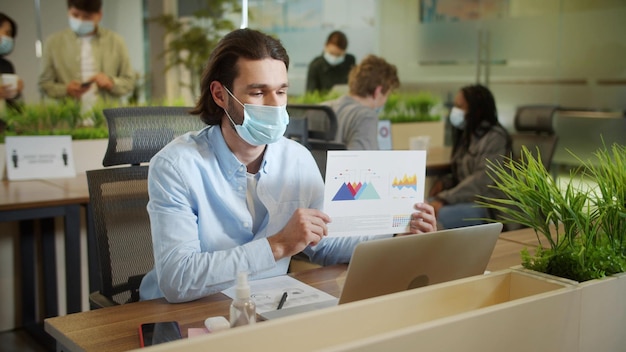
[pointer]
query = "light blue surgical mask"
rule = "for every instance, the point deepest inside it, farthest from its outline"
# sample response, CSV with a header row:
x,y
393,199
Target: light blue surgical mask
x,y
262,124
334,60
6,44
457,118
81,27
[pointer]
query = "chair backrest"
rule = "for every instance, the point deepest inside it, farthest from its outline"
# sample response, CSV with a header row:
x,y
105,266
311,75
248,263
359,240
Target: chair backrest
x,y
118,199
137,133
298,130
535,118
322,126
544,145
534,129
321,119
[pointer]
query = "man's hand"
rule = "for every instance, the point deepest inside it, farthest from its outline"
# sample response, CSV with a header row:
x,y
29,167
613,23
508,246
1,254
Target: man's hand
x,y
423,220
305,227
103,81
75,89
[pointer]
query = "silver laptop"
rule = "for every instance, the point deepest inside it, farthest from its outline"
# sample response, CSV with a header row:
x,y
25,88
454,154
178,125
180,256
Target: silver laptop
x,y
397,264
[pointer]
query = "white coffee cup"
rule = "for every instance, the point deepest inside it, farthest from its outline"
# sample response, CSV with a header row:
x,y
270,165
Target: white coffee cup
x,y
9,80
419,142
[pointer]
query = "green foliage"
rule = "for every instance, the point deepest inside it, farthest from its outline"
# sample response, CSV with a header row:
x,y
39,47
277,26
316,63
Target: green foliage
x,y
314,97
581,231
55,118
191,40
410,107
64,118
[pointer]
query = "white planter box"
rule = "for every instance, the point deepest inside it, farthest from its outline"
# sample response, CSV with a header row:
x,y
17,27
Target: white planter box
x,y
88,155
602,312
503,311
401,133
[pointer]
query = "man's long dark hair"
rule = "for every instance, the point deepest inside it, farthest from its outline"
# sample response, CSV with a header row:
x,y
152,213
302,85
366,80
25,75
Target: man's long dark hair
x,y
222,66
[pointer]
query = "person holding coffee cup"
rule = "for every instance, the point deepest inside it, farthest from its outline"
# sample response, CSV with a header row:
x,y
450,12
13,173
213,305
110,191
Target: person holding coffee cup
x,y
10,84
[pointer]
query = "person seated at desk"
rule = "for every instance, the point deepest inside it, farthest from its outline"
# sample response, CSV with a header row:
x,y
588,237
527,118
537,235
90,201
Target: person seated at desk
x,y
332,67
9,95
480,139
237,195
370,83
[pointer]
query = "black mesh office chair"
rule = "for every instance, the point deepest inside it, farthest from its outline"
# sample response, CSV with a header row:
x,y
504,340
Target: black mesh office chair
x,y
118,197
533,125
322,126
298,130
137,133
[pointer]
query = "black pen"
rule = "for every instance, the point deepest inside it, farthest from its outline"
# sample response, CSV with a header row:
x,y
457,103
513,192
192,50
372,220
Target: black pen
x,y
282,301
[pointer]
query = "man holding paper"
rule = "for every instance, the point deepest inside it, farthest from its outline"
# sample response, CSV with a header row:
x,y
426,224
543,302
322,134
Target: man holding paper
x,y
237,195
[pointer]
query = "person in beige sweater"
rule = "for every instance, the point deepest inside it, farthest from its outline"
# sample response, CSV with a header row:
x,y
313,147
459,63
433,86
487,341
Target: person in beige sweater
x,y
86,62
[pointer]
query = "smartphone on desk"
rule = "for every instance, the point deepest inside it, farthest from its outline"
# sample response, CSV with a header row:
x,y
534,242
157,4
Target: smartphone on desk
x,y
156,333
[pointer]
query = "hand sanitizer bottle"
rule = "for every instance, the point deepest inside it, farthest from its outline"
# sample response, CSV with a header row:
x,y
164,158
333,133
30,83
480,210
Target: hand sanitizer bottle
x,y
242,309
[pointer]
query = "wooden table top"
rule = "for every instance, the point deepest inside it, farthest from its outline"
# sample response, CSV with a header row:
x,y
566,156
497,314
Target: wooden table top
x,y
28,194
116,328
438,160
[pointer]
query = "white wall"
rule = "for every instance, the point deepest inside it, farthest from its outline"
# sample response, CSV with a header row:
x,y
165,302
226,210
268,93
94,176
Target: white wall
x,y
555,52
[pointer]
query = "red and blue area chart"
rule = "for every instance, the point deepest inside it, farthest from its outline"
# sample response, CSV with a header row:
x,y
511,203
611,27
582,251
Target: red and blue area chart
x,y
365,185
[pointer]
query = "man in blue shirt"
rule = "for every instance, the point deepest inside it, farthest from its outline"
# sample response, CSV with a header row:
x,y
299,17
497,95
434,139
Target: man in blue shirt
x,y
237,195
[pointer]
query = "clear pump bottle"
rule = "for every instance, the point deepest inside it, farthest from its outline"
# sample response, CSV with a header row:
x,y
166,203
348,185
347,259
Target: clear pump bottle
x,y
242,309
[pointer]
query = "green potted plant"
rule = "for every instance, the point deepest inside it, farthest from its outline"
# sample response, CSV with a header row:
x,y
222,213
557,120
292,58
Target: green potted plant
x,y
411,107
192,39
413,114
581,231
57,118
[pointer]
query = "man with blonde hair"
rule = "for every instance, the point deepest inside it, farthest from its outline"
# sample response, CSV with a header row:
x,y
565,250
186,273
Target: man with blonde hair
x,y
370,84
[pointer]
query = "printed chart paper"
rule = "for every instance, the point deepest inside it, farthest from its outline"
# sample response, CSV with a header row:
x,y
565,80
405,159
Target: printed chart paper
x,y
266,293
373,192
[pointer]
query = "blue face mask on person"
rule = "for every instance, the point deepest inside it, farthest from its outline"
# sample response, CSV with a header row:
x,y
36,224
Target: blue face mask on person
x,y
6,45
81,27
262,124
457,118
334,60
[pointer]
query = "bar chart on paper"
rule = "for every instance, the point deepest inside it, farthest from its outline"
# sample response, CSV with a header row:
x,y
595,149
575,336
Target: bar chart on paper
x,y
372,192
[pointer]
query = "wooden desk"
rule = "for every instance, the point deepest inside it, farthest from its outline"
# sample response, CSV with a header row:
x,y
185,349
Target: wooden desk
x,y
116,328
25,201
438,161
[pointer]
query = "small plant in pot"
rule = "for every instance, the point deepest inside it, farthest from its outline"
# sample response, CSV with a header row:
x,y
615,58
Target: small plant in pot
x,y
581,231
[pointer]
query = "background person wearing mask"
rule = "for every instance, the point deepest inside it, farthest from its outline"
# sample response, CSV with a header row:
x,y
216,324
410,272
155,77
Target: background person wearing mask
x,y
480,139
332,67
9,94
86,61
238,195
370,84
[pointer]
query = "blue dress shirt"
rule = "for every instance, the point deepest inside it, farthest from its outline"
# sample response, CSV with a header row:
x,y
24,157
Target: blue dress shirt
x,y
201,226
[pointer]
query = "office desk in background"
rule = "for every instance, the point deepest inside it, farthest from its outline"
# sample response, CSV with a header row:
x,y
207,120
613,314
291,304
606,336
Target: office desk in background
x,y
26,201
438,161
116,328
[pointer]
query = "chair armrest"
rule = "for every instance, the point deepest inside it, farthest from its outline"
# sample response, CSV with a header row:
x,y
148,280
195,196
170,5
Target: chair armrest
x,y
98,300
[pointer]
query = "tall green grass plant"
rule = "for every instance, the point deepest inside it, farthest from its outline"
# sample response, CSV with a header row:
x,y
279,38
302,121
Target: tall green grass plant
x,y
581,231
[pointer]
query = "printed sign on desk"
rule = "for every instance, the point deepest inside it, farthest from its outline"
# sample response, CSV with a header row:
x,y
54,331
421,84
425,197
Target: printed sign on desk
x,y
31,157
384,135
